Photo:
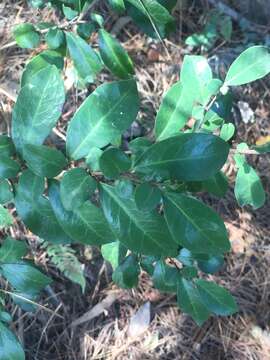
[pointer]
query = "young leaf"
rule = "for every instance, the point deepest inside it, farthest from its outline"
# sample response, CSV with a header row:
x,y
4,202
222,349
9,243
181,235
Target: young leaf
x,y
172,115
38,107
12,250
114,253
55,38
190,301
217,185
26,36
43,160
217,299
85,59
165,277
10,348
76,188
251,65
113,162
105,114
9,168
6,194
126,275
7,147
39,62
147,197
143,232
35,210
248,187
227,131
185,157
194,225
5,218
85,224
114,56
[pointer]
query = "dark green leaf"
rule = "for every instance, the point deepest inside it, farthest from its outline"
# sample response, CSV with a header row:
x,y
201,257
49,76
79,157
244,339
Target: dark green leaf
x,y
86,224
117,5
6,194
217,299
92,159
38,107
114,253
76,188
190,301
10,348
143,232
55,38
147,197
114,56
113,162
126,275
186,157
5,218
194,225
12,250
209,264
85,30
26,36
217,185
5,317
85,59
7,147
105,114
124,188
43,160
185,257
9,168
165,277
69,13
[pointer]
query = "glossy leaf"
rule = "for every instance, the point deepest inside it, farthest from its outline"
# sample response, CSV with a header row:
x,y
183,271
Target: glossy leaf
x,y
248,187
35,209
76,188
113,162
7,147
6,194
251,65
143,232
5,218
85,59
39,62
38,107
86,224
186,157
172,115
165,277
26,36
114,253
44,161
55,38
217,299
126,275
9,168
194,225
114,56
12,250
147,197
10,348
105,114
217,185
190,301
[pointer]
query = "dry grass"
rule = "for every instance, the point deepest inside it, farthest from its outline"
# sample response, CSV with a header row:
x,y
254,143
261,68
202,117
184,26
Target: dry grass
x,y
170,335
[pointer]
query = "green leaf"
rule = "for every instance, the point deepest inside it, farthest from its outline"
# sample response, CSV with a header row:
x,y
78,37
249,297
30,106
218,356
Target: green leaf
x,y
55,38
186,157
172,116
190,301
39,62
9,168
226,28
114,253
97,19
138,146
24,277
147,197
217,299
85,225
6,194
92,159
85,59
143,232
114,56
105,114
12,250
227,131
124,188
126,275
35,209
7,147
43,160
5,218
151,16
113,162
251,65
165,277
117,5
76,188
5,317
85,30
10,348
38,107
147,263
26,36
194,225
185,257
217,185
69,13
248,187
209,264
